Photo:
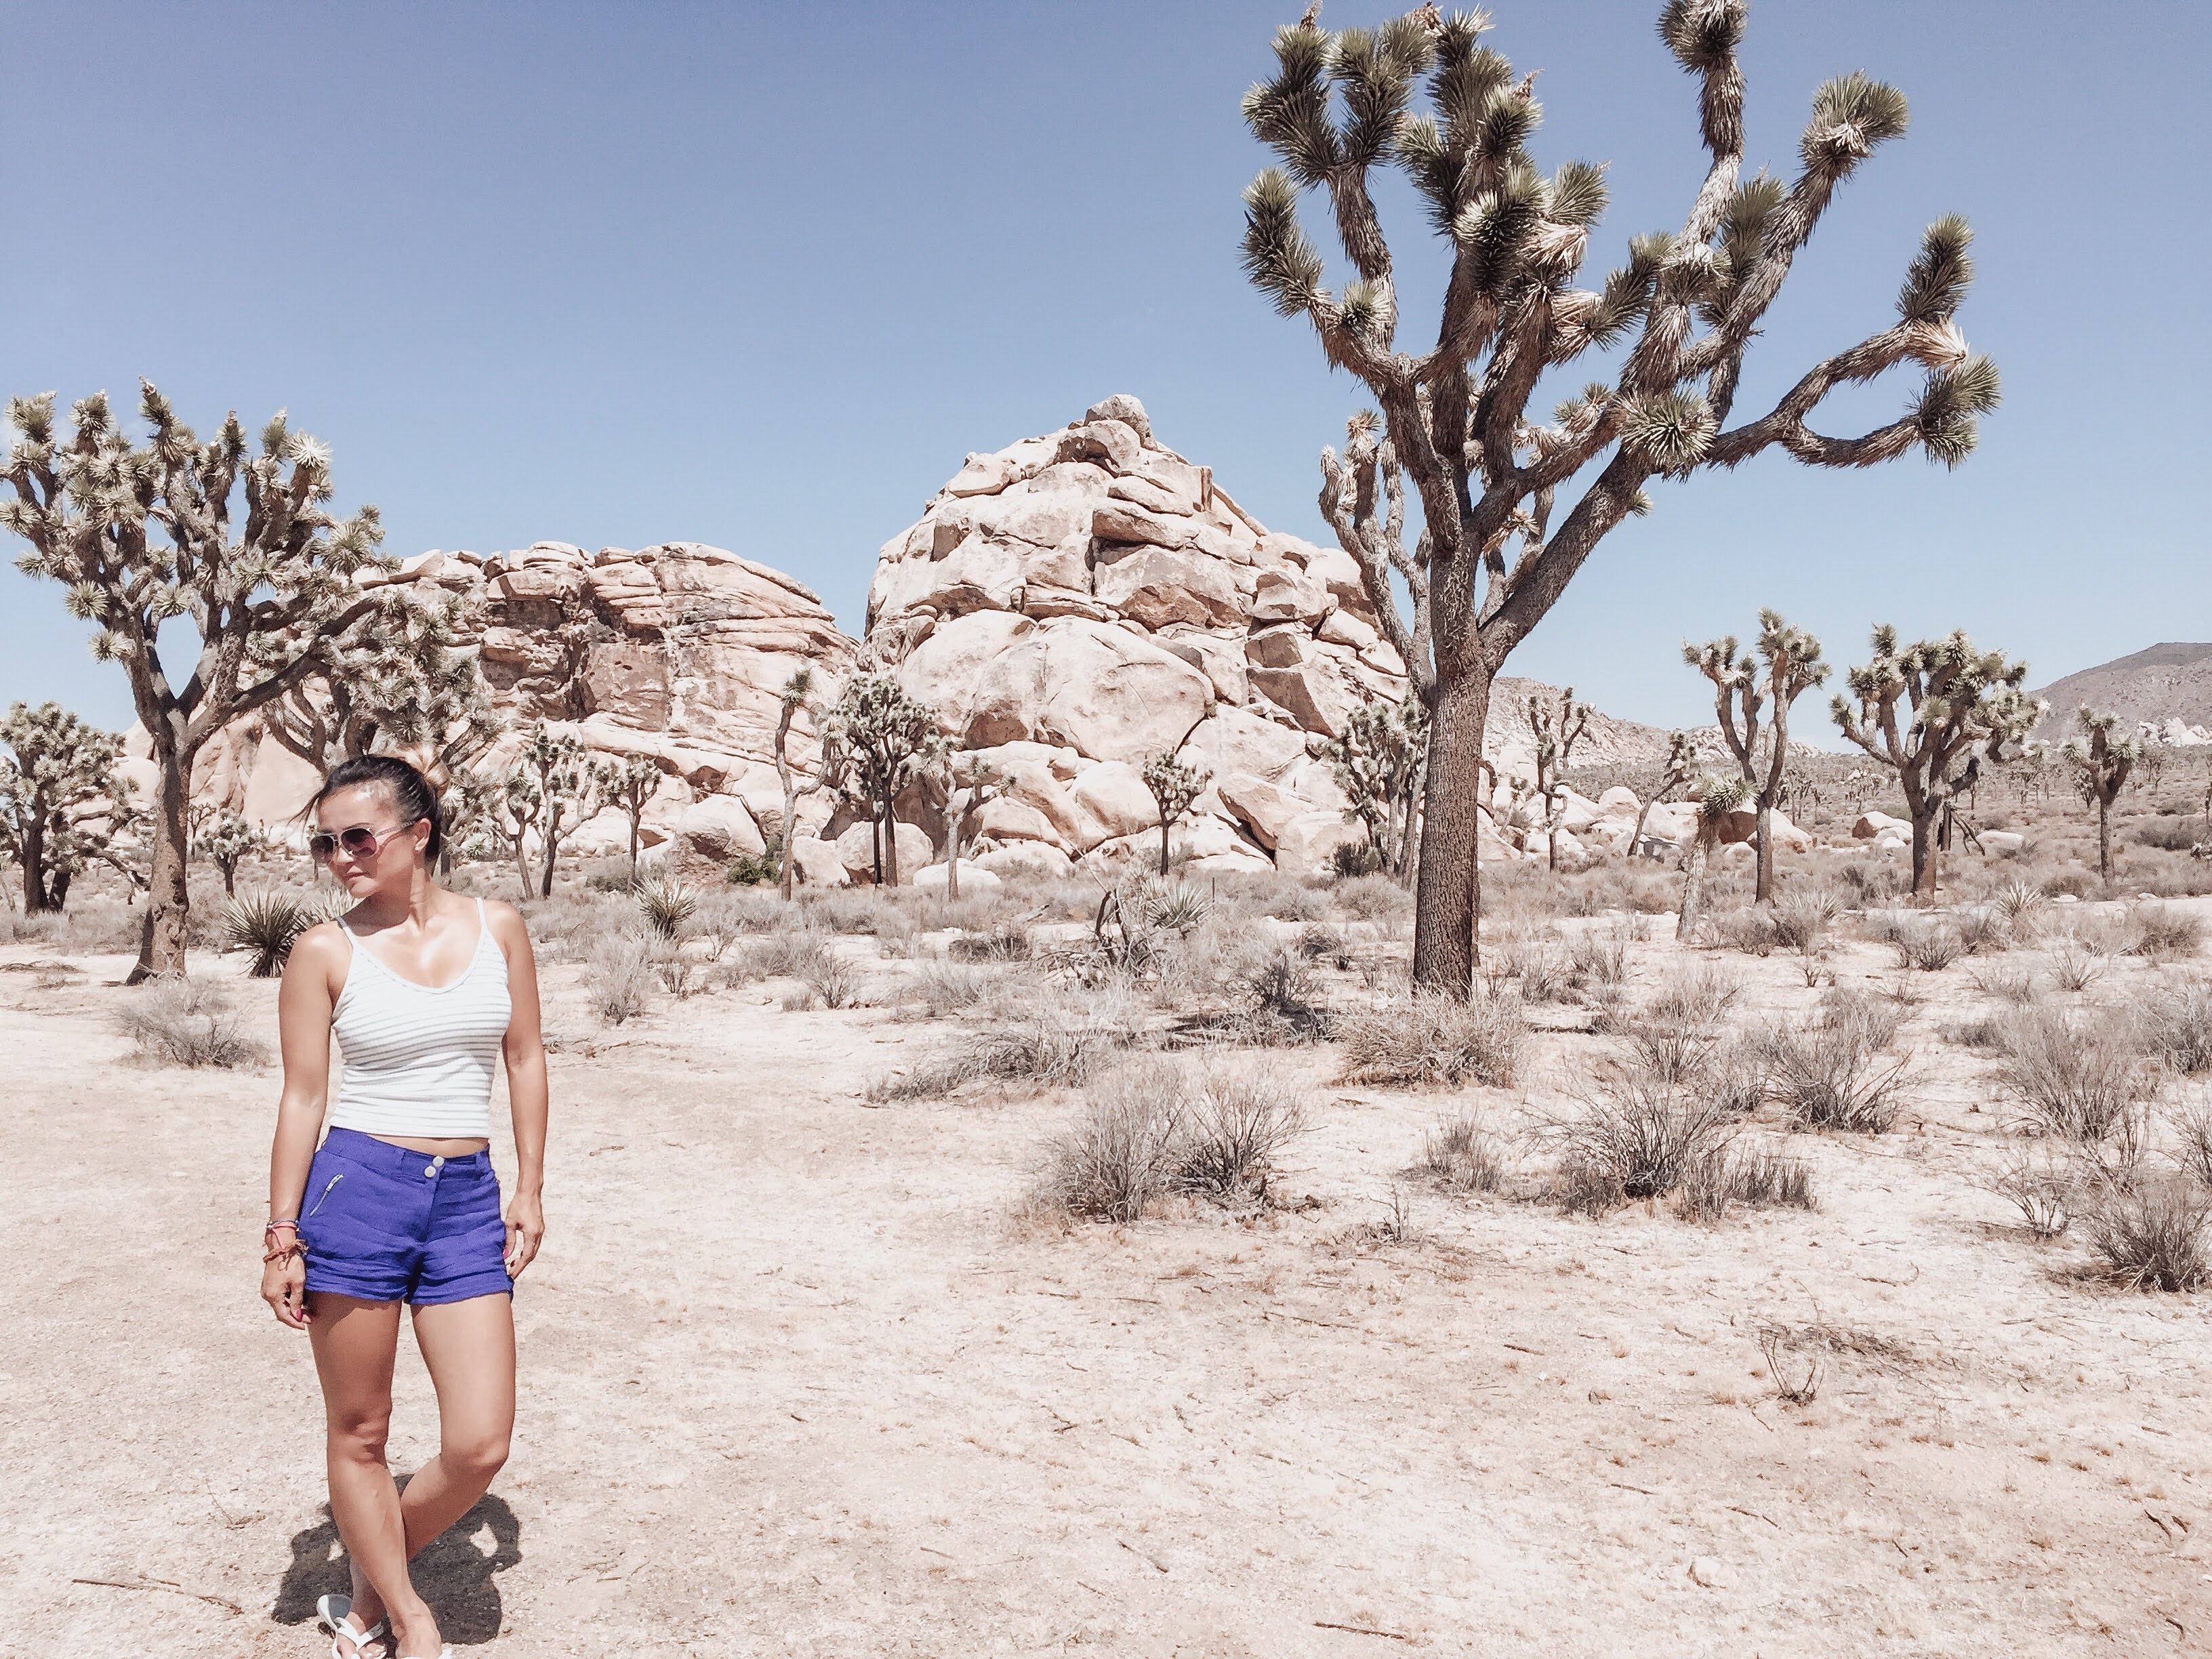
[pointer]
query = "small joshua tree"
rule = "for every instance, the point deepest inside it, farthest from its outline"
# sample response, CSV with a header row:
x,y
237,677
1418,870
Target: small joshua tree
x,y
888,737
1787,666
554,787
1674,772
1932,712
1716,798
1174,785
798,696
145,536
960,784
1379,762
630,782
226,841
61,801
1511,505
1558,728
2101,765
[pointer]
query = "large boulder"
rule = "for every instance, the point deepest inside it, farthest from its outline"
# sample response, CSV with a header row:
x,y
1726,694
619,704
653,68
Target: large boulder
x,y
856,851
975,880
1025,859
1870,824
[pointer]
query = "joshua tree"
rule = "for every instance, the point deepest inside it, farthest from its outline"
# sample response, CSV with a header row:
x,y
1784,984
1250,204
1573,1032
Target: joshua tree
x,y
630,782
1961,707
1675,772
798,695
1788,665
1175,786
554,787
61,801
142,537
1556,730
1494,556
887,736
225,841
1379,762
1716,798
960,785
2101,766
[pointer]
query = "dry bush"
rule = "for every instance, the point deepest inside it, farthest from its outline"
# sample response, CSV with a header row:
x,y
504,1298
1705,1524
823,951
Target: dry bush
x,y
1599,958
1238,1115
2165,932
1696,994
1292,901
2075,968
1765,1177
1428,1037
2023,905
827,980
1119,1156
1797,1365
1750,929
1975,1032
2192,1125
1830,1075
2076,1078
2044,1183
1053,1040
1803,918
1870,880
1461,1153
1537,961
618,976
723,917
775,955
1276,997
856,910
1875,1016
188,1022
2148,1228
2013,985
1667,1053
945,987
1008,942
2176,1027
1981,932
1928,946
1319,942
1374,899
1631,1132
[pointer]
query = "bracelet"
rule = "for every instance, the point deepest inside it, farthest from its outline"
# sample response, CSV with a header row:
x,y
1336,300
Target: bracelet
x,y
283,1252
274,1226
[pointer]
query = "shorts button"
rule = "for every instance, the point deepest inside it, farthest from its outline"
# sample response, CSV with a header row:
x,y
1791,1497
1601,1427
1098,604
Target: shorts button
x,y
429,1169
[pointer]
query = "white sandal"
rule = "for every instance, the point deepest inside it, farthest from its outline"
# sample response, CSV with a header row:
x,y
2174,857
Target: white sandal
x,y
333,1611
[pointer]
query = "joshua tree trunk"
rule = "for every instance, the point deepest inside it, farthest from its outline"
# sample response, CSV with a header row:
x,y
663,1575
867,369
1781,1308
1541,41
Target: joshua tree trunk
x,y
1924,849
2103,839
1766,889
34,866
1164,849
1448,891
168,896
890,874
1694,886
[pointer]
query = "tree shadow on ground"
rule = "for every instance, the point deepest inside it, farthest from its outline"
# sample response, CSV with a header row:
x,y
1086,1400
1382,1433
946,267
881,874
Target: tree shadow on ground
x,y
454,1573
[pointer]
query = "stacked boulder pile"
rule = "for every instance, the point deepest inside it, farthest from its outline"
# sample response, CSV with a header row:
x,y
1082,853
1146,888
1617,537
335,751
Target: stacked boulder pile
x,y
1079,602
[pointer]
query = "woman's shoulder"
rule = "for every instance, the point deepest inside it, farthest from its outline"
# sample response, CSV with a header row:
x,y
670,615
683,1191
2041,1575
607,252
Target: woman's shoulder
x,y
507,923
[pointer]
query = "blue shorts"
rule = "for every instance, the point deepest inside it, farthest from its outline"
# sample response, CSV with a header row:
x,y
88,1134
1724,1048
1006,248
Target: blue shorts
x,y
386,1224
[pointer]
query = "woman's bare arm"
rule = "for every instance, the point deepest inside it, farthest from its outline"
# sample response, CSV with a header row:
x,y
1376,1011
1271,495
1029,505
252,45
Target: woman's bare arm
x,y
304,1003
527,1091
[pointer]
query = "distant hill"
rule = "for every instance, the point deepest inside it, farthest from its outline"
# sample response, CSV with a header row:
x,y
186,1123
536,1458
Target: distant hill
x,y
2166,683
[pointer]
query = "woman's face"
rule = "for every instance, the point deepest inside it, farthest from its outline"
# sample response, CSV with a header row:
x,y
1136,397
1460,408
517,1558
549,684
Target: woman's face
x,y
343,815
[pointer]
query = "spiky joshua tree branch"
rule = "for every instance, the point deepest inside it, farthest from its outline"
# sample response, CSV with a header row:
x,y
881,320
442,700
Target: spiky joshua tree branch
x,y
1512,505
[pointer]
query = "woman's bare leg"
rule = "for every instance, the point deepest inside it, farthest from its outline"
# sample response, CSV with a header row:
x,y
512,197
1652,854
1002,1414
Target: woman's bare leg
x,y
469,1347
354,1342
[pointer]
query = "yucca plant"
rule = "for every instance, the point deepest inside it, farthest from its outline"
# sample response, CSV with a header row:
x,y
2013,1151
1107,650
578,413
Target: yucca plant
x,y
666,905
1493,555
269,924
1177,907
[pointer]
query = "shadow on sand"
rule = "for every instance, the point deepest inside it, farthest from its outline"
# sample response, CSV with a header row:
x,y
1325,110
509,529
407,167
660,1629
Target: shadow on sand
x,y
454,1573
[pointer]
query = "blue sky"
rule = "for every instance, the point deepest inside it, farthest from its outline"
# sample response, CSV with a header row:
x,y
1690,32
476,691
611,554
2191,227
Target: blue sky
x,y
761,276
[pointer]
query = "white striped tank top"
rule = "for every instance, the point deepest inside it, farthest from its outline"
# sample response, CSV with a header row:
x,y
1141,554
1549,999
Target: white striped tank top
x,y
419,1058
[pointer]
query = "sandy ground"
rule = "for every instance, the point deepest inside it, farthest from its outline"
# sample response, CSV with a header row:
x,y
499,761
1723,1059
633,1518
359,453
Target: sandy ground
x,y
800,1379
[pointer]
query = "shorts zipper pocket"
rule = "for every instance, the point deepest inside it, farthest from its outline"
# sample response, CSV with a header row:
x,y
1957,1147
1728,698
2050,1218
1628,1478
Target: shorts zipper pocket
x,y
325,1199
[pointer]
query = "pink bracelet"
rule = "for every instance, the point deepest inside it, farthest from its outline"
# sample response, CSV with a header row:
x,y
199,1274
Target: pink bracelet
x,y
274,1226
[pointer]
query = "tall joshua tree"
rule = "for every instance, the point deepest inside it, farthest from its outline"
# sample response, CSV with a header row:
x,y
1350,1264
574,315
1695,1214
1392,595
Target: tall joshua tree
x,y
888,737
960,784
1557,729
553,788
2101,764
1788,664
142,536
1932,712
226,841
1174,785
630,782
1674,772
1496,550
61,800
1379,762
797,697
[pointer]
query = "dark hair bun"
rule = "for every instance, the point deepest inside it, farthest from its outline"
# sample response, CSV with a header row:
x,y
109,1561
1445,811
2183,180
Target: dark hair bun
x,y
410,791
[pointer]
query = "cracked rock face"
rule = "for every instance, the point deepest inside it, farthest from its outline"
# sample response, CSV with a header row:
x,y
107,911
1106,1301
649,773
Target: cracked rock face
x,y
1080,601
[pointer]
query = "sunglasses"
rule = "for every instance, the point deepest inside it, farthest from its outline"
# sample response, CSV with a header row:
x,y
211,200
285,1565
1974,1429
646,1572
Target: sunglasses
x,y
359,842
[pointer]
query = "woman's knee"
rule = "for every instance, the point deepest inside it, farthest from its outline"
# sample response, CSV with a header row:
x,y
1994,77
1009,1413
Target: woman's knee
x,y
479,1455
360,1433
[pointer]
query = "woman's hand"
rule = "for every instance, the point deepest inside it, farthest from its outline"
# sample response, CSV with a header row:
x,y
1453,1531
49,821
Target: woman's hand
x,y
284,1288
525,1226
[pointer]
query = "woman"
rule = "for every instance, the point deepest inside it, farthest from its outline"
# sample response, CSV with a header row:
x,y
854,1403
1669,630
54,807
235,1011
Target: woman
x,y
424,989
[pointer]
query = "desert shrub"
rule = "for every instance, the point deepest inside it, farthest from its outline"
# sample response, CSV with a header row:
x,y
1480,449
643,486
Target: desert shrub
x,y
1319,942
1632,1132
1975,1032
1982,931
1008,942
2044,1185
269,924
2165,932
2147,1229
2013,985
613,883
1596,958
1795,1360
1237,1116
857,910
1733,1077
1460,1152
1804,916
682,976
945,988
828,980
1277,998
1830,1076
724,918
1373,898
2169,832
1119,1156
1928,946
1354,859
2022,904
1765,1177
2192,1125
1751,930
1871,881
1876,1018
666,905
1428,1037
2068,880
1289,901
2073,968
1177,907
775,955
2076,1079
2176,1027
188,1022
618,977
1666,1052
1053,1040
1696,995
759,869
